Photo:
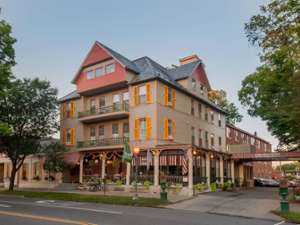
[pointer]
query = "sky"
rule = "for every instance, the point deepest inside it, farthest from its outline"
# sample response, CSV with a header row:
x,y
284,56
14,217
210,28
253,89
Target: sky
x,y
54,37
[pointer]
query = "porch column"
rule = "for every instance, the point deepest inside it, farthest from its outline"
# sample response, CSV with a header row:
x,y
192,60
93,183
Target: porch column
x,y
156,168
128,169
207,168
190,174
241,174
81,169
222,169
29,170
232,170
103,164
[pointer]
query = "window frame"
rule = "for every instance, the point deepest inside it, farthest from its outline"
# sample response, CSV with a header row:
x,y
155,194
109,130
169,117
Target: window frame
x,y
110,66
90,72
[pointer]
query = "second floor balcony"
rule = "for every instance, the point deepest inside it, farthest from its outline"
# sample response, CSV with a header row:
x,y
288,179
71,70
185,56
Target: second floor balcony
x,y
116,142
115,111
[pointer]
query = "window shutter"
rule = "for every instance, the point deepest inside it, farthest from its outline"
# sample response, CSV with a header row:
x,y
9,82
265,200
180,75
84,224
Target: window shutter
x,y
166,95
72,141
173,98
72,109
173,129
64,110
148,128
148,93
64,136
136,129
136,95
166,135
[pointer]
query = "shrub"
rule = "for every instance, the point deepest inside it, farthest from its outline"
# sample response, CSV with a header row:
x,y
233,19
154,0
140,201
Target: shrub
x,y
119,183
178,187
213,187
147,184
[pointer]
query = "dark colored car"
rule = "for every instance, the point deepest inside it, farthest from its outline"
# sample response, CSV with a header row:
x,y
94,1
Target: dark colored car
x,y
262,182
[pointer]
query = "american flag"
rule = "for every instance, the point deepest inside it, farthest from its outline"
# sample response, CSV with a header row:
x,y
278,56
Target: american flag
x,y
184,164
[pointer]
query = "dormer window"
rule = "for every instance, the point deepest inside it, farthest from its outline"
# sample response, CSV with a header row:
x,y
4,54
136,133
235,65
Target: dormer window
x,y
110,68
89,74
193,84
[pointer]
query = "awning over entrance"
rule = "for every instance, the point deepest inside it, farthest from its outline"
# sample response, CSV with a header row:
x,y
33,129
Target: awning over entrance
x,y
72,158
271,156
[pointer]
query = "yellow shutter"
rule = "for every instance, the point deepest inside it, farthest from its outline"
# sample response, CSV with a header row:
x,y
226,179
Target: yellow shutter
x,y
173,98
136,129
166,135
64,137
148,93
64,110
173,129
148,128
136,95
72,141
166,95
72,113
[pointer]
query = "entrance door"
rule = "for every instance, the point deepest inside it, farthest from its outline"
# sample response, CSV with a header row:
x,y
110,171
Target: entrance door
x,y
1,172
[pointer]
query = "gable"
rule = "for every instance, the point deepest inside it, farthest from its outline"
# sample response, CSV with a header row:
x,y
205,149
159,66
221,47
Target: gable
x,y
95,55
200,75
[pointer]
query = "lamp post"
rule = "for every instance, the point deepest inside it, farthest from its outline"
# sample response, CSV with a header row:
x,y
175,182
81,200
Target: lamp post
x,y
136,151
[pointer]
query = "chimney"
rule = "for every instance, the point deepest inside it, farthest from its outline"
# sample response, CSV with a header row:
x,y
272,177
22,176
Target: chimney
x,y
188,59
255,134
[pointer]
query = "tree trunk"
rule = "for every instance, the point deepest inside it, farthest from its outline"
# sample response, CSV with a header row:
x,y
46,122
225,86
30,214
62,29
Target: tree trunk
x,y
12,178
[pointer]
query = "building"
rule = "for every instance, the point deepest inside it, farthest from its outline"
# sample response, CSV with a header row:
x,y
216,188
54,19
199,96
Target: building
x,y
239,140
163,111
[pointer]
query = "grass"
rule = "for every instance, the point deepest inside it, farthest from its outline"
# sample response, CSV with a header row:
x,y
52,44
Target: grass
x,y
105,199
293,217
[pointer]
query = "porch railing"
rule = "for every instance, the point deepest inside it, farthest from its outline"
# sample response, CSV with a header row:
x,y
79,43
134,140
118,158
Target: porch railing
x,y
199,179
142,178
119,107
102,142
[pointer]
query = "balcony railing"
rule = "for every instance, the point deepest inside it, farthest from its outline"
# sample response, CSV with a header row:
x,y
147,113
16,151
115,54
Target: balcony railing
x,y
102,142
119,107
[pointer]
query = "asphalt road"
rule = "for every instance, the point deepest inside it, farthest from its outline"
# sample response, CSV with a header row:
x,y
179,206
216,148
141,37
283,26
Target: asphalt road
x,y
24,211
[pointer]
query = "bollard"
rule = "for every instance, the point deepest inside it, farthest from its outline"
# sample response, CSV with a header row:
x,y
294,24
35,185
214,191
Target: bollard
x,y
284,192
163,193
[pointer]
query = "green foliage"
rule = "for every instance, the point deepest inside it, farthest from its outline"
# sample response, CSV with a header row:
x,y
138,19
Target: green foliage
x,y
29,108
219,98
288,167
272,92
119,183
147,184
54,157
7,61
213,187
200,187
178,187
227,186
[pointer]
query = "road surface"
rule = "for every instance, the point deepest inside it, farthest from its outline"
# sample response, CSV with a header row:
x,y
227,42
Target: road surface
x,y
25,211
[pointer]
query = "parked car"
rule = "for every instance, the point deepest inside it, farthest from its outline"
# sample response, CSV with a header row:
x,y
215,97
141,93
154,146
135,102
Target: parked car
x,y
294,183
263,182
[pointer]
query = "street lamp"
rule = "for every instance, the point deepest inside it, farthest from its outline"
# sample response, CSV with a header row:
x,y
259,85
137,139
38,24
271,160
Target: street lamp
x,y
136,151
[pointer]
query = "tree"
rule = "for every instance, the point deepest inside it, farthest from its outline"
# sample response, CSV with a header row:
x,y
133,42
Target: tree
x,y
29,107
7,61
54,158
272,92
220,99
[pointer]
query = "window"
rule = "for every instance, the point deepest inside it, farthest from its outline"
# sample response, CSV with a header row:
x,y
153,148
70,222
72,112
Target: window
x,y
117,102
125,96
169,95
212,140
220,141
219,120
142,94
93,134
126,129
102,101
206,114
100,71
192,107
68,136
227,132
193,84
115,130
200,137
110,68
90,74
170,129
206,139
101,131
68,109
193,135
93,105
200,110
143,129
212,116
